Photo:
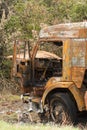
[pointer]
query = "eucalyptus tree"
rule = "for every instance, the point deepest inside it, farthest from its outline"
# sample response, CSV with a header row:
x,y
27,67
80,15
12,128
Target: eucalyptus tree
x,y
27,16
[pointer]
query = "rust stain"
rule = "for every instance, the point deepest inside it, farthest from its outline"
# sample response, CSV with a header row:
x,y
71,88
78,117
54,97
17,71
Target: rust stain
x,y
68,30
78,75
74,62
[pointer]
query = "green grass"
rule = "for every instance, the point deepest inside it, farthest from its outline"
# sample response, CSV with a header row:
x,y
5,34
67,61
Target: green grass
x,y
6,126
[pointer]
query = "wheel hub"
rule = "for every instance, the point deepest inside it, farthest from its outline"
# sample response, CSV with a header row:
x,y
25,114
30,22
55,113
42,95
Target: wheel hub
x,y
57,113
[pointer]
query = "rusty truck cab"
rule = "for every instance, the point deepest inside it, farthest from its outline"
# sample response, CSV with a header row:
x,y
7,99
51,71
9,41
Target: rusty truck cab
x,y
74,58
66,88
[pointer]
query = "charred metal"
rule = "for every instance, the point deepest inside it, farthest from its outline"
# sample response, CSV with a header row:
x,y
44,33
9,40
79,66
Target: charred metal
x,y
54,72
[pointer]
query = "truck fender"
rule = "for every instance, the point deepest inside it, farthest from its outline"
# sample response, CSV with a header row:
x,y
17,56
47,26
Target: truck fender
x,y
77,94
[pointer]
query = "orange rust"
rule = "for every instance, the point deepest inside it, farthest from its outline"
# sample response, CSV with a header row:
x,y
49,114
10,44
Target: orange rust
x,y
78,75
67,60
73,76
66,85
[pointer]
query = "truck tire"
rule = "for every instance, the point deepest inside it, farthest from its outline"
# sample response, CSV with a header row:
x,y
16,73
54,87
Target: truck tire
x,y
62,109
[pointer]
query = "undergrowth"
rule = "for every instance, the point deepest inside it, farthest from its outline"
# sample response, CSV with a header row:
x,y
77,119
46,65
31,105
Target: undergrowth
x,y
6,126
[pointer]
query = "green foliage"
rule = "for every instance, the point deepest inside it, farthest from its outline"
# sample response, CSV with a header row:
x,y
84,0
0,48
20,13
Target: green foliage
x,y
28,15
5,68
79,11
5,65
12,25
67,11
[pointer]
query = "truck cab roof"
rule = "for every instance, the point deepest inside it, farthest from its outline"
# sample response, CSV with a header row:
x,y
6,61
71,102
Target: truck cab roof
x,y
64,31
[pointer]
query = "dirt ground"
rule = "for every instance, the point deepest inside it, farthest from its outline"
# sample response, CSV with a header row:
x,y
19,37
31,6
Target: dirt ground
x,y
13,110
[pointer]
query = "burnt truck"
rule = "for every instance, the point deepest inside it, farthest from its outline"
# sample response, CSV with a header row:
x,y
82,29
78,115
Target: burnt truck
x,y
54,73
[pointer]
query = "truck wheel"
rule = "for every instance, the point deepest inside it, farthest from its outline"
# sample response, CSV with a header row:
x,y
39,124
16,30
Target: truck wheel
x,y
62,109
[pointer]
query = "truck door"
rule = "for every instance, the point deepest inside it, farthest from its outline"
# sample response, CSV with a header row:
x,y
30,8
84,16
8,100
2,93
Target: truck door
x,y
78,60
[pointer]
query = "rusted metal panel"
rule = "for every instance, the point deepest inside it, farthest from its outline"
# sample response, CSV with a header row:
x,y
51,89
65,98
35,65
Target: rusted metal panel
x,y
74,61
78,61
40,54
67,60
68,30
79,96
77,93
78,75
52,84
78,51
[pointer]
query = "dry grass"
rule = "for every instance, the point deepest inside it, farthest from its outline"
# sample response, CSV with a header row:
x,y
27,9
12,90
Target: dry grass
x,y
6,126
8,86
13,102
